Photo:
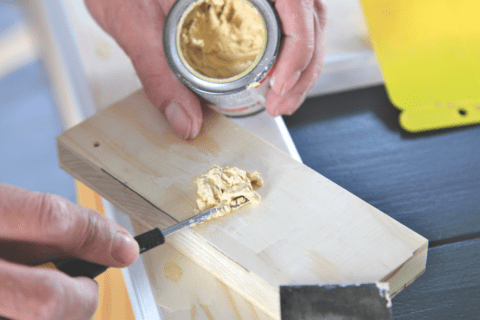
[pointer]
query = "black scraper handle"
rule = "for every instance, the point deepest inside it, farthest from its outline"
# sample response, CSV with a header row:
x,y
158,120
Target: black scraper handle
x,y
81,268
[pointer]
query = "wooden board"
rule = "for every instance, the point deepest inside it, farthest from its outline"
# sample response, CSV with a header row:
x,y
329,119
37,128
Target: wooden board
x,y
184,290
306,229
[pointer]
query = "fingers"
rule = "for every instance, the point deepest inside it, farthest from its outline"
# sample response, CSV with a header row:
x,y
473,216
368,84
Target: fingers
x,y
288,100
179,105
137,26
298,44
52,227
35,293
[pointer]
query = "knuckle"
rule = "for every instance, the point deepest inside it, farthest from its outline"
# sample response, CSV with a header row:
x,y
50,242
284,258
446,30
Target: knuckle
x,y
309,47
78,227
50,297
88,237
314,74
54,215
307,5
49,310
306,49
305,46
91,307
58,300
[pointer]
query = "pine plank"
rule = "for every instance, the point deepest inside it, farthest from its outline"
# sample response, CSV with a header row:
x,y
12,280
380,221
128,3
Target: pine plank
x,y
184,290
306,230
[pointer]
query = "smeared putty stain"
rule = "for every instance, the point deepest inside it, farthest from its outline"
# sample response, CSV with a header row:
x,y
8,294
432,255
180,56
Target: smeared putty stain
x,y
172,271
231,300
207,312
193,311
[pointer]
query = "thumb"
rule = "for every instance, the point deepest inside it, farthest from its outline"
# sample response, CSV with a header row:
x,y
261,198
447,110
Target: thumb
x,y
180,106
143,44
67,230
137,26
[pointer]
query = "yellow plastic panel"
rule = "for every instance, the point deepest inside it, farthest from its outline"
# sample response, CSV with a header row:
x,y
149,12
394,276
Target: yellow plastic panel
x,y
429,53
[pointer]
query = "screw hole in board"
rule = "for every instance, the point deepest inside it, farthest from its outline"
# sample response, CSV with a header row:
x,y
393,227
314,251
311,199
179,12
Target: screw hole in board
x,y
462,112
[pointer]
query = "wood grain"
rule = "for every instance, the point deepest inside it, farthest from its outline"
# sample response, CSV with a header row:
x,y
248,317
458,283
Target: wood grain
x,y
306,229
183,290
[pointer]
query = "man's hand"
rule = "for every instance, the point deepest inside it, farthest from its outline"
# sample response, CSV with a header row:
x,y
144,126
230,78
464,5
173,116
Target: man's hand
x,y
137,27
36,228
301,53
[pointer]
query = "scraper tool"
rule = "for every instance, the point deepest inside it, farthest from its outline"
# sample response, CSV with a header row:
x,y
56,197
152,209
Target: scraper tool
x,y
146,241
362,301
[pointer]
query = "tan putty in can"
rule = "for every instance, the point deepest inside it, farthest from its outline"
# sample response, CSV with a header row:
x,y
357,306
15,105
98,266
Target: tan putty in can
x,y
238,96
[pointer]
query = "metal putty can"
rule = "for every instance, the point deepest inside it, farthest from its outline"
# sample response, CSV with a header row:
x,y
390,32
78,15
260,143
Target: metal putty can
x,y
237,96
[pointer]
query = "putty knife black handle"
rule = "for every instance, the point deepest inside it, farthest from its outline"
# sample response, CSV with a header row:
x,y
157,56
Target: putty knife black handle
x,y
146,241
81,268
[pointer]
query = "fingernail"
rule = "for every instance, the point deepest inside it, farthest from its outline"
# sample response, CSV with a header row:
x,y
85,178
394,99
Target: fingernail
x,y
124,248
290,83
179,119
196,127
